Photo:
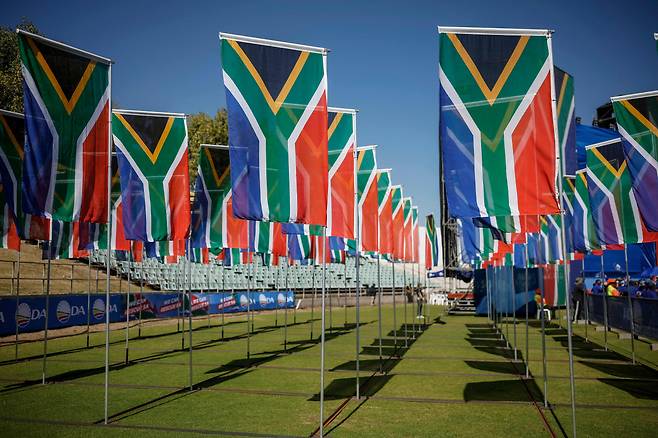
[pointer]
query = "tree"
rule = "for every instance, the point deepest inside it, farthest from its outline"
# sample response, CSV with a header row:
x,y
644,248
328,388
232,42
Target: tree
x,y
11,81
204,129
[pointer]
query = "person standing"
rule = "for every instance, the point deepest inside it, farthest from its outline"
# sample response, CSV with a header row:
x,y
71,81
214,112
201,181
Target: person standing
x,y
372,291
421,299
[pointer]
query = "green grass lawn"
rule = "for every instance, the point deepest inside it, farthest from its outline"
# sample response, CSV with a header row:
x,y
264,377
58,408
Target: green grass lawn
x,y
455,377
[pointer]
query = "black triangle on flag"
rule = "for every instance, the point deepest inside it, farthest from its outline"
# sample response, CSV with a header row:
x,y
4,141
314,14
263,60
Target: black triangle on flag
x,y
149,128
489,53
273,64
68,68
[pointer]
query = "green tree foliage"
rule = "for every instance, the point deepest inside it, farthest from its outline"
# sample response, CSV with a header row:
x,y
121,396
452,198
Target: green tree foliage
x,y
203,129
11,86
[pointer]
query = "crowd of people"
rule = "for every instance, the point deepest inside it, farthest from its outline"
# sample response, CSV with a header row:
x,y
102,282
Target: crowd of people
x,y
619,287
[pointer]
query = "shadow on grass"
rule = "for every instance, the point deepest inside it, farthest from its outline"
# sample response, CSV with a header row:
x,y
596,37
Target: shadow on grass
x,y
493,366
226,372
502,390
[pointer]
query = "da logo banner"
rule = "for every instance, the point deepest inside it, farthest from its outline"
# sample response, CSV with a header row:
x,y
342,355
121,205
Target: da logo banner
x,y
281,299
23,315
99,308
63,311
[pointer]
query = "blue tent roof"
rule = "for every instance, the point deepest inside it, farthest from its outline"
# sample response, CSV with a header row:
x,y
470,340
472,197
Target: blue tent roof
x,y
587,135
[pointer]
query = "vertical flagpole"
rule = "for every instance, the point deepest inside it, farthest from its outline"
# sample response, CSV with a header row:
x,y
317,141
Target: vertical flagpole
x,y
395,324
277,290
181,309
572,382
223,302
313,296
285,311
88,295
189,304
109,244
345,292
178,287
582,267
605,305
514,306
585,300
630,303
413,296
209,272
47,314
141,294
406,298
527,341
130,255
358,278
331,317
18,295
322,327
379,309
249,259
543,348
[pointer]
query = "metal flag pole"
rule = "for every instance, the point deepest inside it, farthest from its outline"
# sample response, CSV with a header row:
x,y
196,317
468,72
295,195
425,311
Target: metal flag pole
x,y
189,304
572,382
543,348
141,295
223,301
331,317
209,271
47,315
513,289
109,245
395,324
249,270
605,305
585,300
88,296
379,310
313,298
322,328
357,259
346,293
413,295
276,301
181,308
130,255
406,298
285,311
358,319
527,341
630,303
18,295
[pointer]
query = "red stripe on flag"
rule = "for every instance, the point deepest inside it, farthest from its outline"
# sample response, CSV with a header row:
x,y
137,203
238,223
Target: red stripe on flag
x,y
534,156
398,234
179,200
311,149
342,198
369,219
93,203
386,227
237,229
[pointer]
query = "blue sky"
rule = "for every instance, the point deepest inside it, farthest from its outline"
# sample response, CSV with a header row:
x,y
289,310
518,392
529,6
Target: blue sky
x,y
383,58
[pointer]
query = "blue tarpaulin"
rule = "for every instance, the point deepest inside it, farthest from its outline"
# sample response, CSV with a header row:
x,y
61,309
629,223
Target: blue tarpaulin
x,y
587,135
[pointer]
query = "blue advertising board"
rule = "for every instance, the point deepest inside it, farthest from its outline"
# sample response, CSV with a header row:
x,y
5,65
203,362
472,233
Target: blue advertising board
x,y
73,309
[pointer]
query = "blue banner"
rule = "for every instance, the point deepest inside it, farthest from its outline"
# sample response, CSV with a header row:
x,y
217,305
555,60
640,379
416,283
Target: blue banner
x,y
73,310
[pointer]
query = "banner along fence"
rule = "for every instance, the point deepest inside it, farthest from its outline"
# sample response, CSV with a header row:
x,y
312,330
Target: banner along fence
x,y
645,313
77,309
